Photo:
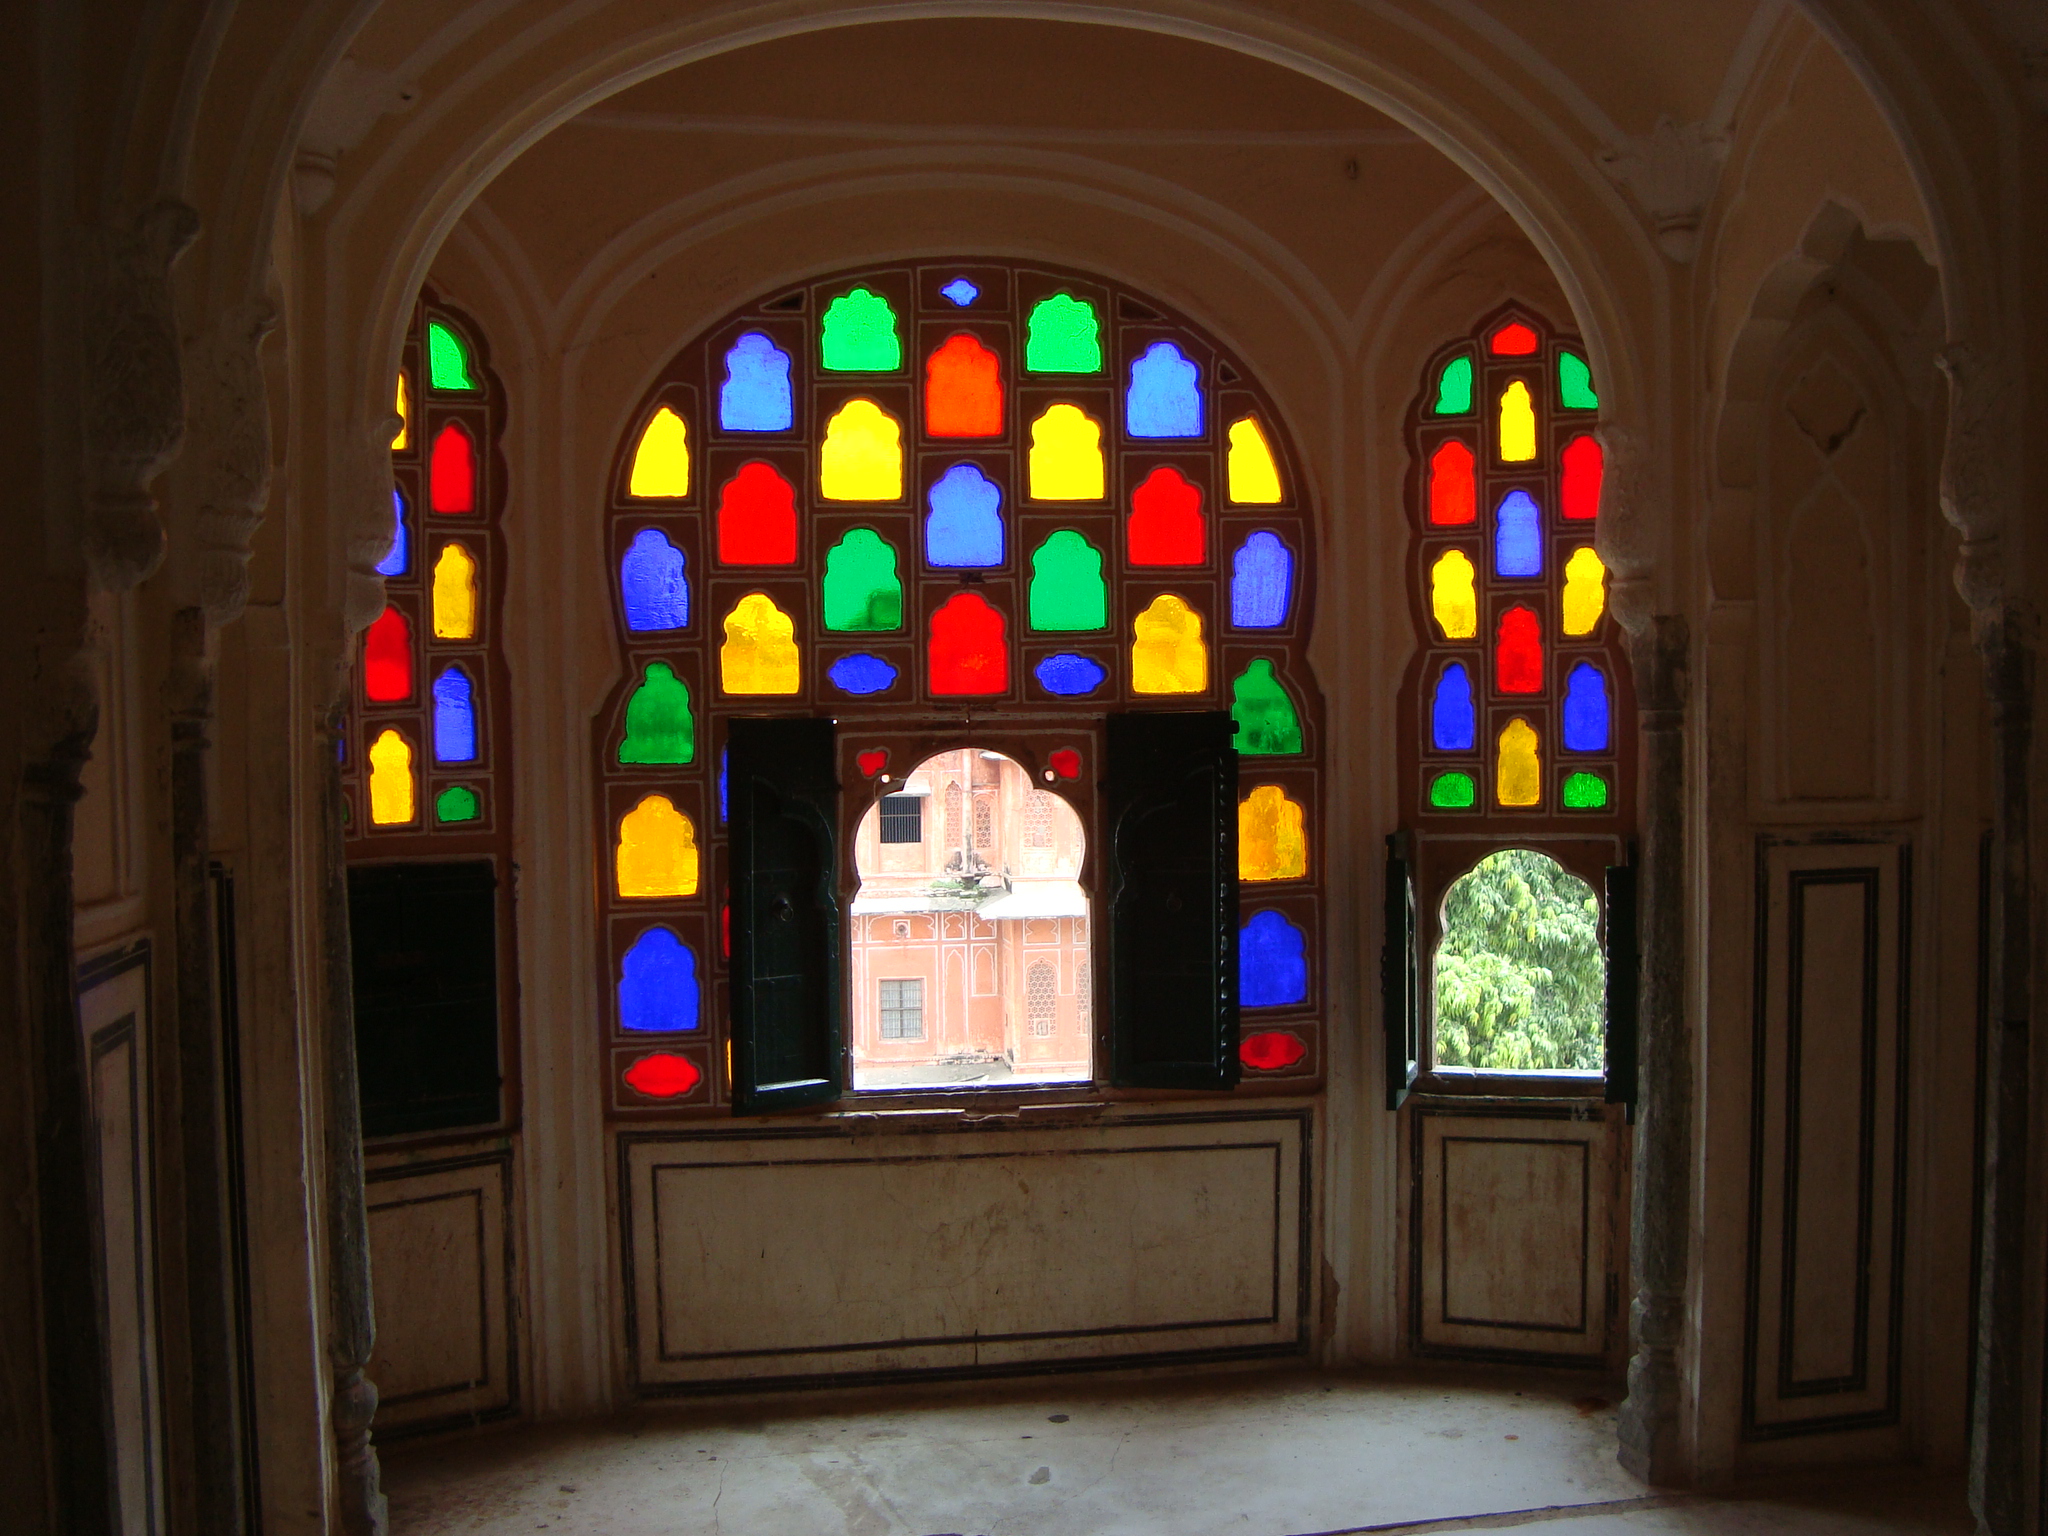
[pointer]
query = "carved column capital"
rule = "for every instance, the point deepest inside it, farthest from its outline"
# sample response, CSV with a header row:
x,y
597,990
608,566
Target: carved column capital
x,y
1671,172
228,455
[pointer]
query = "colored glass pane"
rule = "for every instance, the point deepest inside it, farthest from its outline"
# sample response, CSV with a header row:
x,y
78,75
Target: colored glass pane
x,y
1272,962
1585,591
402,405
759,654
447,359
661,464
1518,652
387,659
1454,388
659,725
861,674
662,1076
1061,336
1575,383
654,584
1517,424
1452,597
1512,340
657,853
862,457
1271,1050
391,788
1517,536
963,390
970,650
1584,792
1587,727
1517,776
1166,525
1261,582
1066,456
658,991
1165,397
1272,841
451,471
455,594
1453,725
454,717
1067,591
458,802
1253,474
1267,725
757,517
399,556
960,293
965,528
1168,654
1453,491
1453,791
1071,676
724,763
754,395
860,335
1584,466
861,589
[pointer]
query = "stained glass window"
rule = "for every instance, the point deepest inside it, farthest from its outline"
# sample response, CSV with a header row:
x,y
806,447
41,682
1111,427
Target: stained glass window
x,y
965,528
387,659
661,464
861,588
862,457
1165,398
455,593
963,391
1167,651
1067,591
658,990
451,473
1063,336
970,650
398,559
659,727
757,517
1166,525
1261,582
1066,456
654,584
454,717
657,852
1254,477
859,334
447,358
391,783
755,394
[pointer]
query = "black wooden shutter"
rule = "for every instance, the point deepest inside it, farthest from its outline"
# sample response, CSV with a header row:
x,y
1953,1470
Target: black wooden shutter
x,y
1623,966
1400,993
1171,875
787,1013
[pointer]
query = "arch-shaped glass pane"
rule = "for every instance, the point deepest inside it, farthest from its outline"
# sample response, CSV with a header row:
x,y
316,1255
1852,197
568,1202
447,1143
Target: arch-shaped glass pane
x,y
1062,336
969,652
1586,723
654,584
659,725
658,989
391,782
755,394
454,717
1453,723
859,335
1272,962
862,590
1517,536
661,464
398,558
1165,397
964,530
1067,591
1261,582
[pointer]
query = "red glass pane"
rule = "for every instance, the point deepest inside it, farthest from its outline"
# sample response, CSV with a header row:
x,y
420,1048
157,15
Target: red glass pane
x,y
969,651
1579,498
963,390
1513,340
1453,497
1166,520
725,929
663,1075
1518,655
451,473
1270,1050
757,518
387,659
1066,762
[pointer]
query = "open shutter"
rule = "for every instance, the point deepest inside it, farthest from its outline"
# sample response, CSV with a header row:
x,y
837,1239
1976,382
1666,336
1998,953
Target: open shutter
x,y
787,1013
1622,981
1172,881
1400,996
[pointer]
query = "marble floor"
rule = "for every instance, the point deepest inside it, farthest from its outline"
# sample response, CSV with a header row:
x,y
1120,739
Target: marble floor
x,y
1234,1455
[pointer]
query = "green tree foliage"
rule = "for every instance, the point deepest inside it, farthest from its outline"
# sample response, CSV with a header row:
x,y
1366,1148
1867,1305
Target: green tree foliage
x,y
1520,980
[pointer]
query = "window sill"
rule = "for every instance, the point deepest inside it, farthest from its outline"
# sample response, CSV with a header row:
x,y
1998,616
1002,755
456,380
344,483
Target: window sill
x,y
1463,1083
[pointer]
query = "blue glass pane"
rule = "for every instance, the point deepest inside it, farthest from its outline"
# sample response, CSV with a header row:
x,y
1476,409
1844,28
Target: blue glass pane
x,y
961,292
658,984
454,718
723,756
1261,582
755,394
653,583
1070,676
1451,723
965,528
397,558
861,673
1272,963
1163,400
1585,710
1517,536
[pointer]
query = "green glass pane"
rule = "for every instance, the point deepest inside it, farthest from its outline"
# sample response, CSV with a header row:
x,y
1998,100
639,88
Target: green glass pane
x,y
1454,389
1585,792
1266,723
860,334
658,724
1575,383
1453,792
447,359
861,589
457,802
1063,337
1066,584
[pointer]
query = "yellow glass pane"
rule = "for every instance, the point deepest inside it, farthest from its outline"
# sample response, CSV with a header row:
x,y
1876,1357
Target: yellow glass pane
x,y
404,407
391,791
1517,779
661,464
1254,477
1066,456
759,654
1517,425
454,594
657,850
1271,841
1451,596
1585,591
862,459
1167,653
